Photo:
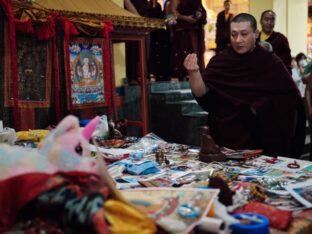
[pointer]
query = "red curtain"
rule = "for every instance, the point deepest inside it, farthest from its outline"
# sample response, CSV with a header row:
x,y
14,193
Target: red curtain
x,y
69,29
7,7
48,31
108,28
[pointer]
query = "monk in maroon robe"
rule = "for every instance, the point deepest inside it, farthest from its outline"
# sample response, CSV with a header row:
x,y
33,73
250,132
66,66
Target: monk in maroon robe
x,y
249,94
188,35
138,7
223,27
278,41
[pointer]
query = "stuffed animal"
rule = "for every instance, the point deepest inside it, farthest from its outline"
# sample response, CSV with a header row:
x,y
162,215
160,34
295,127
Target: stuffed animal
x,y
66,148
68,137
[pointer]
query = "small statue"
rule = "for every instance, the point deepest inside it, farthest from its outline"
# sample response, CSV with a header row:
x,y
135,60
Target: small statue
x,y
114,133
209,150
159,156
122,126
226,194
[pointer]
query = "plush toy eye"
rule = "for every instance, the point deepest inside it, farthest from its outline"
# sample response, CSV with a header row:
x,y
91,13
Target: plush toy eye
x,y
78,149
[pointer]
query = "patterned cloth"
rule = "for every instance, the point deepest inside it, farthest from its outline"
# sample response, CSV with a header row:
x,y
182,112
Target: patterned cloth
x,y
60,196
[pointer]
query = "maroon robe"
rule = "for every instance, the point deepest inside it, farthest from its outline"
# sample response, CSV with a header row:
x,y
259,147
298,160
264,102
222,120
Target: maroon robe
x,y
141,6
239,83
187,38
132,56
223,31
280,47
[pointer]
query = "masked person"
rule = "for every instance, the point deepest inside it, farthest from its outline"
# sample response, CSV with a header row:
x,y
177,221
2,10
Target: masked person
x,y
307,77
297,73
250,96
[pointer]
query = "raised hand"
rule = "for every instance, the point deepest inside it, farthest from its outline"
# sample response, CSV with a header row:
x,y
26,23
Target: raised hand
x,y
195,79
190,63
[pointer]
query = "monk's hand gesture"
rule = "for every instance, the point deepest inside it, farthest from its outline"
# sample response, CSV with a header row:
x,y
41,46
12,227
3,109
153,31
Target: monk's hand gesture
x,y
190,63
195,79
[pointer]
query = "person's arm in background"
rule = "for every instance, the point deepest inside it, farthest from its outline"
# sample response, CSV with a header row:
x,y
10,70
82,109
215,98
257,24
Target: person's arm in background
x,y
174,6
195,79
129,6
176,13
306,72
284,52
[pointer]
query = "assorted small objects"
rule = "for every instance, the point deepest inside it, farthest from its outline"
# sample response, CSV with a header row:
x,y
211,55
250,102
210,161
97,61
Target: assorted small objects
x,y
271,187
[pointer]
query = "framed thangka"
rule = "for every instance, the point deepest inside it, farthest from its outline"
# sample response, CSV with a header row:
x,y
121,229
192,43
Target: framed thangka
x,y
86,73
34,72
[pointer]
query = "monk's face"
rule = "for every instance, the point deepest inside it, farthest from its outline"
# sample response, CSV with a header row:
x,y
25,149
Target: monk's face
x,y
243,37
268,22
227,6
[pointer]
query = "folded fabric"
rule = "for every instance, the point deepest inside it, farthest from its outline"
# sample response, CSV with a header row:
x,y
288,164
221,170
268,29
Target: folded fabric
x,y
279,219
17,191
125,219
144,168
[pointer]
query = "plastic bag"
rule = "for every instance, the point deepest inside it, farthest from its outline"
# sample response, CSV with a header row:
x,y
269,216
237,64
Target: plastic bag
x,y
148,144
102,129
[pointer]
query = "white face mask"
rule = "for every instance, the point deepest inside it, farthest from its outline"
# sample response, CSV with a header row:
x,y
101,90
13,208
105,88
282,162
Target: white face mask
x,y
303,63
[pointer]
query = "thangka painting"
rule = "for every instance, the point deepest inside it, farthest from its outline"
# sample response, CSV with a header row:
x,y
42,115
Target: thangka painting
x,y
86,72
34,73
175,210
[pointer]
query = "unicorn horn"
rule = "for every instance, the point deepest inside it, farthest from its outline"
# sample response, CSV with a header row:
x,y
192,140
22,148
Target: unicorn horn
x,y
90,127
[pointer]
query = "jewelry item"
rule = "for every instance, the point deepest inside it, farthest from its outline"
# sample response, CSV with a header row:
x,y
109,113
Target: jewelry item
x,y
189,211
271,160
293,165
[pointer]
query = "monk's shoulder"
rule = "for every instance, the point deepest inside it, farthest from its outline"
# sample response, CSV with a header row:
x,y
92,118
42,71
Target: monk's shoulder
x,y
281,37
220,57
268,56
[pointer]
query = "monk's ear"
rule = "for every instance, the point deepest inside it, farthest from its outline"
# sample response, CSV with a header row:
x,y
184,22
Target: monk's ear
x,y
257,33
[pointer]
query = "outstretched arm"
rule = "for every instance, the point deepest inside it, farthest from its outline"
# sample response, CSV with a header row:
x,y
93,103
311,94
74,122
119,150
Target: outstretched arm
x,y
196,81
174,5
129,6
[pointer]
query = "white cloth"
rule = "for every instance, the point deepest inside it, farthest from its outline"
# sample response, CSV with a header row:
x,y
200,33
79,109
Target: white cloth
x,y
297,77
8,135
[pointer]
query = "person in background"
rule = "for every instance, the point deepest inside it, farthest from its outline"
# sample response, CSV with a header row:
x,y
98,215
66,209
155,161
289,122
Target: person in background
x,y
301,82
293,63
170,18
154,10
138,7
249,94
278,41
223,27
188,35
159,46
307,71
297,73
307,77
129,6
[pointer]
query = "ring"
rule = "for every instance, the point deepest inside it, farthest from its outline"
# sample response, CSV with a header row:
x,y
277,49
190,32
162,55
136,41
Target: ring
x,y
293,165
